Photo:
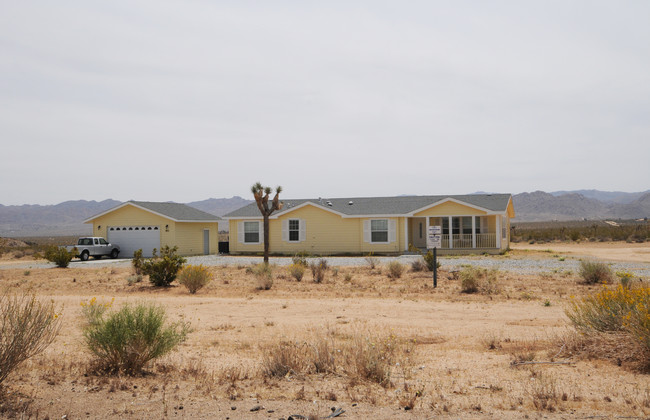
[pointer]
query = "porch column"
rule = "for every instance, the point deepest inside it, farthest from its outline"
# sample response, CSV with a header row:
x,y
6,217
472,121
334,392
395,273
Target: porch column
x,y
451,234
406,234
473,231
498,232
426,232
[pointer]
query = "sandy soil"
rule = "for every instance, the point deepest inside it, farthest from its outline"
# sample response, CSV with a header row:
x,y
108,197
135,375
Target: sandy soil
x,y
609,251
462,349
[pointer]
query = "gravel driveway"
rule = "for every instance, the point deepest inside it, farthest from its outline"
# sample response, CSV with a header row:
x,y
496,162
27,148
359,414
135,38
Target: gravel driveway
x,y
512,264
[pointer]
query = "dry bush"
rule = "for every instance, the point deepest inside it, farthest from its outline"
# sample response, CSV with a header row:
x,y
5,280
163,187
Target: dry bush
x,y
593,272
395,269
284,358
372,261
27,327
318,270
297,271
194,277
264,275
479,280
544,392
418,265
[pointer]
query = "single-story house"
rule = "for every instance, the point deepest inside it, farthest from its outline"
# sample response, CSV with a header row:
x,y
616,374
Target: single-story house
x,y
147,225
474,223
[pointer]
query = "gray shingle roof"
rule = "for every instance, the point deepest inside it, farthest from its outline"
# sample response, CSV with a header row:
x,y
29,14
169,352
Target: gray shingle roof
x,y
177,211
382,205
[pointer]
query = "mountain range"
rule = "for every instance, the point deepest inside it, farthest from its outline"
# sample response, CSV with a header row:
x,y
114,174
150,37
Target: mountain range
x,y
66,218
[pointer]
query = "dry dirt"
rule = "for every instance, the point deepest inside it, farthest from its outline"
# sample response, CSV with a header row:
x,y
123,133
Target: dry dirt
x,y
462,346
609,251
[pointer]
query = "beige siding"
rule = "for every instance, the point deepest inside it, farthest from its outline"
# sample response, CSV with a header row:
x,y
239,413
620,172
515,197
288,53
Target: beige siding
x,y
189,238
130,216
451,208
325,233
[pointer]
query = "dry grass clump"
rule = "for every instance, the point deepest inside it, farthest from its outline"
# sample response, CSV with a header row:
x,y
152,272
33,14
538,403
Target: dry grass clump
x,y
614,323
194,277
297,271
363,356
318,270
479,280
395,269
418,265
372,261
593,272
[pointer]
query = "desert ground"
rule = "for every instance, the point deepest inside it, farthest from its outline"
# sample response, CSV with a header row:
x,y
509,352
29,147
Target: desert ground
x,y
495,355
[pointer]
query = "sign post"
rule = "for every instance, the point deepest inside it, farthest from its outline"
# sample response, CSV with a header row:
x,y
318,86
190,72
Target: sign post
x,y
434,240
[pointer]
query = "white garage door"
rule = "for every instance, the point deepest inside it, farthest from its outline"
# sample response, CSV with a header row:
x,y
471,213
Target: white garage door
x,y
132,238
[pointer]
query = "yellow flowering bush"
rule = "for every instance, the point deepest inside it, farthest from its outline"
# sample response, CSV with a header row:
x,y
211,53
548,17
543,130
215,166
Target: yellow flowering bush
x,y
194,277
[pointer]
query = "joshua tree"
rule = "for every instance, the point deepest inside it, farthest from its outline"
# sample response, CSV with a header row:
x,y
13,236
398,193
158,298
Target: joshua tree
x,y
261,195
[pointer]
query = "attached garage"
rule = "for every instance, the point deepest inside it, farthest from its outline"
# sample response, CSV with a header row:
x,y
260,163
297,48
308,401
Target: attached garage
x,y
147,225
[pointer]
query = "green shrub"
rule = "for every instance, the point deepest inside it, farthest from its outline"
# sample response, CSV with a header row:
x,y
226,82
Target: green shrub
x,y
126,340
264,274
593,272
59,255
474,279
297,271
162,270
318,270
625,278
395,269
428,259
27,327
301,258
194,277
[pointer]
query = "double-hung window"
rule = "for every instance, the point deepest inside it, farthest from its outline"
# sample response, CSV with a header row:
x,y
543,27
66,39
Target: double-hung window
x,y
379,230
294,230
251,232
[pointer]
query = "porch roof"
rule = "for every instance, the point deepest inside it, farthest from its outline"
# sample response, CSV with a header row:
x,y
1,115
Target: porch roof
x,y
368,206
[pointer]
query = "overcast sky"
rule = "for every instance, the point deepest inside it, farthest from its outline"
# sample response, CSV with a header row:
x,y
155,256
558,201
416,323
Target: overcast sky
x,y
187,100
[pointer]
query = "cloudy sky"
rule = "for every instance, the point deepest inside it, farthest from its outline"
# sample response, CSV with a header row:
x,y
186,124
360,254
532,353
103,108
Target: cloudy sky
x,y
187,100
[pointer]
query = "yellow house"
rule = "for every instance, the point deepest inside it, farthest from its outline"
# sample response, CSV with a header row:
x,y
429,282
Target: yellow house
x,y
475,223
147,225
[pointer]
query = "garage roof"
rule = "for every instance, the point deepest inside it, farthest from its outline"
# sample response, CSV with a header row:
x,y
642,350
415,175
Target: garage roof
x,y
174,211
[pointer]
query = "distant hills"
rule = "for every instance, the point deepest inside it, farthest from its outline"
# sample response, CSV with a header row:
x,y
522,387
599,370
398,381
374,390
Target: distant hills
x,y
66,218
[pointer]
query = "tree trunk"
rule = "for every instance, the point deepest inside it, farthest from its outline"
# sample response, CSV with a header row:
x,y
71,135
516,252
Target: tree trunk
x,y
266,239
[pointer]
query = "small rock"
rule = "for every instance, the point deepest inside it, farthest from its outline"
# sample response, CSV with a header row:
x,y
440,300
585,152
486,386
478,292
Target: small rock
x,y
233,408
257,408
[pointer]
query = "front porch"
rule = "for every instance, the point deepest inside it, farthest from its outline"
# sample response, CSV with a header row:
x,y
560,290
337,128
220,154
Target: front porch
x,y
460,234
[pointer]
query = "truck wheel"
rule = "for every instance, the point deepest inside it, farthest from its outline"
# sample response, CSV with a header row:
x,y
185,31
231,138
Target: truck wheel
x,y
114,253
84,256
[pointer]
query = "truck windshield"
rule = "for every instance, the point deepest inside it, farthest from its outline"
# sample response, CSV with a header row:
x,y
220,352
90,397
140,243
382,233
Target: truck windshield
x,y
102,241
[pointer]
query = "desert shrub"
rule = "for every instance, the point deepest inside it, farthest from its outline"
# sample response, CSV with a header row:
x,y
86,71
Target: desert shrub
x,y
194,277
615,323
593,272
474,279
126,340
300,258
348,277
297,271
27,327
59,255
625,278
162,269
135,278
418,265
137,261
372,261
264,275
318,270
395,269
372,357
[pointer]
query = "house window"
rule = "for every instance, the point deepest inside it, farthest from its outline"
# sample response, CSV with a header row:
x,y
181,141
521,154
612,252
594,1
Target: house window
x,y
251,232
420,230
379,230
294,230
467,225
477,230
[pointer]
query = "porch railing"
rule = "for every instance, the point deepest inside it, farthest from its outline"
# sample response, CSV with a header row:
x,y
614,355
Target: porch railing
x,y
464,240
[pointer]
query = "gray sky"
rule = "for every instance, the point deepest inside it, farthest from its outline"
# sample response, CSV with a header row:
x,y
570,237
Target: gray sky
x,y
186,100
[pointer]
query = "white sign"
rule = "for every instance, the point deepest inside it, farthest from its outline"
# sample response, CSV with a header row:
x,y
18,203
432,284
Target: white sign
x,y
434,237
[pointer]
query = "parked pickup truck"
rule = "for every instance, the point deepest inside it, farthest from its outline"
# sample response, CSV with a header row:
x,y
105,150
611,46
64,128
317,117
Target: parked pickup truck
x,y
95,247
